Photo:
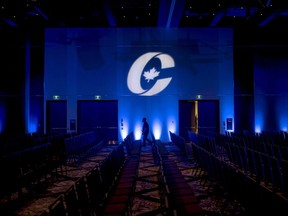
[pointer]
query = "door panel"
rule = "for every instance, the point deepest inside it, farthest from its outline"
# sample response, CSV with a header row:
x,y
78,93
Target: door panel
x,y
208,116
56,116
198,117
186,118
100,116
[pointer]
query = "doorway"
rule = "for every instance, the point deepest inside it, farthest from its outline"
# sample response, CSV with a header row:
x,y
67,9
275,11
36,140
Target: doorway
x,y
198,116
56,116
100,116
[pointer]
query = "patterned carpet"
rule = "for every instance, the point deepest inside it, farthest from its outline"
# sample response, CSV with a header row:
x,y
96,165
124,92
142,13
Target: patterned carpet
x,y
37,198
147,200
214,200
147,196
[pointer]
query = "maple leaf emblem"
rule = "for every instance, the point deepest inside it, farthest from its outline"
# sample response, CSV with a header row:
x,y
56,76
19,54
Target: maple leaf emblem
x,y
151,74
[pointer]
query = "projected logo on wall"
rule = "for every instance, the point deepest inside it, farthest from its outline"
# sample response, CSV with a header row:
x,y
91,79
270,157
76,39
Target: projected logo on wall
x,y
143,69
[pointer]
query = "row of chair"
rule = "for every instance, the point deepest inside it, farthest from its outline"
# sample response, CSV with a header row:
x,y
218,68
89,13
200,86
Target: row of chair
x,y
261,180
177,195
120,199
255,142
269,137
30,167
100,187
180,143
132,146
34,161
29,140
273,172
80,146
255,161
208,142
262,166
76,200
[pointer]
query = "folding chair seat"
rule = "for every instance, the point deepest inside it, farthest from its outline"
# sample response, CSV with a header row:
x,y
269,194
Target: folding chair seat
x,y
120,209
133,173
127,179
178,184
168,163
122,191
181,191
186,199
174,179
130,165
125,198
192,209
124,184
120,194
128,173
131,162
129,169
120,199
172,171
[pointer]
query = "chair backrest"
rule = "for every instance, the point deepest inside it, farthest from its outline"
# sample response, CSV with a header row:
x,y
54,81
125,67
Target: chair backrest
x,y
96,190
71,201
83,197
57,208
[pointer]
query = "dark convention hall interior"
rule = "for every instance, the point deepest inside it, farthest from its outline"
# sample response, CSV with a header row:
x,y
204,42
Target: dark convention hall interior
x,y
143,107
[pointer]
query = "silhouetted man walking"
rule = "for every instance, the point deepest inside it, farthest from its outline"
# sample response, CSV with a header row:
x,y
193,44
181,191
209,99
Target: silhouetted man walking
x,y
145,131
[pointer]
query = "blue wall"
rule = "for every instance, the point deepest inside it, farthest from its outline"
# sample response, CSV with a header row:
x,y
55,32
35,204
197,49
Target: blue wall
x,y
163,65
271,94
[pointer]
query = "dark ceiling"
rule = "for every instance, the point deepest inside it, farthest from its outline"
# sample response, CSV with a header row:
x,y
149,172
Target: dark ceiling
x,y
144,13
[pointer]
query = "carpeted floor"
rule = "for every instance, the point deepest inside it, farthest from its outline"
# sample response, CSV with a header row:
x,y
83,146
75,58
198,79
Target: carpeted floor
x,y
147,199
214,200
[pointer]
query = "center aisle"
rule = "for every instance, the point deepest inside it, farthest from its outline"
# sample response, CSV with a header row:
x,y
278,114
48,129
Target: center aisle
x,y
147,194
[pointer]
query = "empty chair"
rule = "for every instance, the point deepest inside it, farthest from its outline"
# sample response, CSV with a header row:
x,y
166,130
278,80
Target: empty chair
x,y
83,197
71,201
97,193
57,208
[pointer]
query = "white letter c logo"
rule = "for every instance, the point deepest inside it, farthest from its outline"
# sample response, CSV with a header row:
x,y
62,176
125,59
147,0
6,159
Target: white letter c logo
x,y
135,72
